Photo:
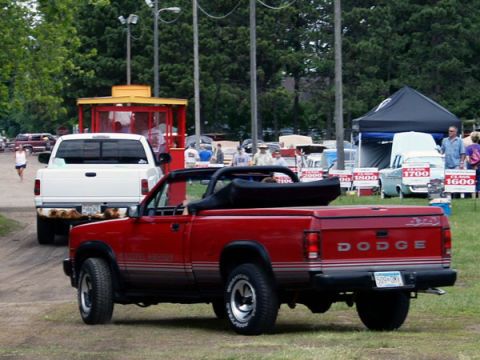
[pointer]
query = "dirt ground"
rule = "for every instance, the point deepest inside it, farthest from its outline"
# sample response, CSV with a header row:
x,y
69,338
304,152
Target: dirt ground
x,y
31,276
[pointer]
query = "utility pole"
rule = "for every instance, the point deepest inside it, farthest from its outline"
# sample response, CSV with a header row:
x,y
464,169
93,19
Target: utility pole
x,y
156,77
196,74
339,87
253,75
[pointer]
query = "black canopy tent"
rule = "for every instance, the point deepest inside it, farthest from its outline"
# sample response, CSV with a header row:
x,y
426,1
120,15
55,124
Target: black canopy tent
x,y
405,110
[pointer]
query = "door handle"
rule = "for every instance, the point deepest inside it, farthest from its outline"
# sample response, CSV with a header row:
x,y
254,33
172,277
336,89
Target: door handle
x,y
90,174
175,227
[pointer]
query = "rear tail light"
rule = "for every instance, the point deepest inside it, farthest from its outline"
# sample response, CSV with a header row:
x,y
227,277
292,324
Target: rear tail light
x,y
447,242
144,186
36,188
311,242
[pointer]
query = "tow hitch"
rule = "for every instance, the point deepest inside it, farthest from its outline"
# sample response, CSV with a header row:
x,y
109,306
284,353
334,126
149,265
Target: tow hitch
x,y
433,291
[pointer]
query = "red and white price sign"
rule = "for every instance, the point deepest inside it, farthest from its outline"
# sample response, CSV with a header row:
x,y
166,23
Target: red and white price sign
x,y
459,181
365,177
282,178
202,164
311,174
345,176
415,173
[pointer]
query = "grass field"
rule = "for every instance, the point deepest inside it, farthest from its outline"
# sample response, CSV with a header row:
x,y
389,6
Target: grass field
x,y
7,225
438,327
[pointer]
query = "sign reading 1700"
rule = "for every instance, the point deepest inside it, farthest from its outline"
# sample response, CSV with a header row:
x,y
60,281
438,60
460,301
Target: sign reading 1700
x,y
415,173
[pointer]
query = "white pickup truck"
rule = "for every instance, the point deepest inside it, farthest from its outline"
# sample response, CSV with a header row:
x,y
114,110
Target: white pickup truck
x,y
91,177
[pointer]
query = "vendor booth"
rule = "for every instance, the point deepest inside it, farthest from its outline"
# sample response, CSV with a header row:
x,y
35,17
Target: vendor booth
x,y
406,110
131,109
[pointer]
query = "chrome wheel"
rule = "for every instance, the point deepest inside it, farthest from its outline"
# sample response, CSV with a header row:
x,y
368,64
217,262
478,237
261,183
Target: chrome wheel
x,y
251,300
95,292
243,300
86,294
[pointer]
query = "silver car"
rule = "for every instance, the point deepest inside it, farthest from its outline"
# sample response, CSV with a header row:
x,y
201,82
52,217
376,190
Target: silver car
x,y
391,178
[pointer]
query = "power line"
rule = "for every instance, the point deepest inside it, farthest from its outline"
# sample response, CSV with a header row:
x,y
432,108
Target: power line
x,y
276,8
219,17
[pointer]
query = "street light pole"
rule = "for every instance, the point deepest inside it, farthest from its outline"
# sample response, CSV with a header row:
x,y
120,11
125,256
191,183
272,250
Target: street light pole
x,y
129,72
132,19
253,74
156,13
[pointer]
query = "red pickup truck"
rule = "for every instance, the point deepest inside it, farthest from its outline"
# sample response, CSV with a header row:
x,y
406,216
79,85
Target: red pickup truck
x,y
227,237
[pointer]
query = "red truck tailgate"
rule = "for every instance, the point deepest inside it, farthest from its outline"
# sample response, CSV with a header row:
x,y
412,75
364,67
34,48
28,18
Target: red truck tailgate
x,y
381,238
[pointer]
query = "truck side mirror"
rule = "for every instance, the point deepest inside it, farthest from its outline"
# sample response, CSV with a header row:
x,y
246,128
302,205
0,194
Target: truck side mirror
x,y
164,158
133,211
44,157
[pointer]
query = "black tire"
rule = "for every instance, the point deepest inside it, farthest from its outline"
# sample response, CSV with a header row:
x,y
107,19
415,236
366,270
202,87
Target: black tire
x,y
45,231
62,228
251,300
95,292
382,193
383,311
219,309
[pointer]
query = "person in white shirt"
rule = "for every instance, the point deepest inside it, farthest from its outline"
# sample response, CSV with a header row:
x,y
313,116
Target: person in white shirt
x,y
278,159
240,158
20,161
191,157
262,157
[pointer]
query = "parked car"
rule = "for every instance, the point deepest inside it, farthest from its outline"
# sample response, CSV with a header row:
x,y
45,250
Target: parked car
x,y
328,159
391,178
36,142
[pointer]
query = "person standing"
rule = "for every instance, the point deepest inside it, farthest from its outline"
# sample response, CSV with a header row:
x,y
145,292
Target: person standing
x,y
191,157
278,159
262,157
240,158
453,149
219,156
473,158
204,154
20,161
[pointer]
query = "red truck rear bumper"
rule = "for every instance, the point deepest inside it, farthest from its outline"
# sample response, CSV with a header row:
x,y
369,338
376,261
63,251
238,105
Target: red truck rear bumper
x,y
413,280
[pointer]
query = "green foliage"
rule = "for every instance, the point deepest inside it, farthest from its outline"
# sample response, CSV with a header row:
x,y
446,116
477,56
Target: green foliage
x,y
38,41
60,50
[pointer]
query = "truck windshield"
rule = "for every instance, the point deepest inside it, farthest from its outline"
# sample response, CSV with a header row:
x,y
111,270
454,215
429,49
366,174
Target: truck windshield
x,y
102,151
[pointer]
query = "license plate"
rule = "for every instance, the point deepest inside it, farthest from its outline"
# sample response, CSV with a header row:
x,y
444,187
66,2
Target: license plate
x,y
388,279
90,209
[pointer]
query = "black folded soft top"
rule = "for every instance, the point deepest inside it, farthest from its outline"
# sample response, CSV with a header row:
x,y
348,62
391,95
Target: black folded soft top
x,y
240,193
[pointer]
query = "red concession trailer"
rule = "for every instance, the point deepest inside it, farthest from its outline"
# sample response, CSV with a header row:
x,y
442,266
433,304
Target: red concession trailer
x,y
131,109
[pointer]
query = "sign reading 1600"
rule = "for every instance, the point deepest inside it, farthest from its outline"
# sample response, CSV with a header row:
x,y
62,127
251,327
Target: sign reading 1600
x,y
459,181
